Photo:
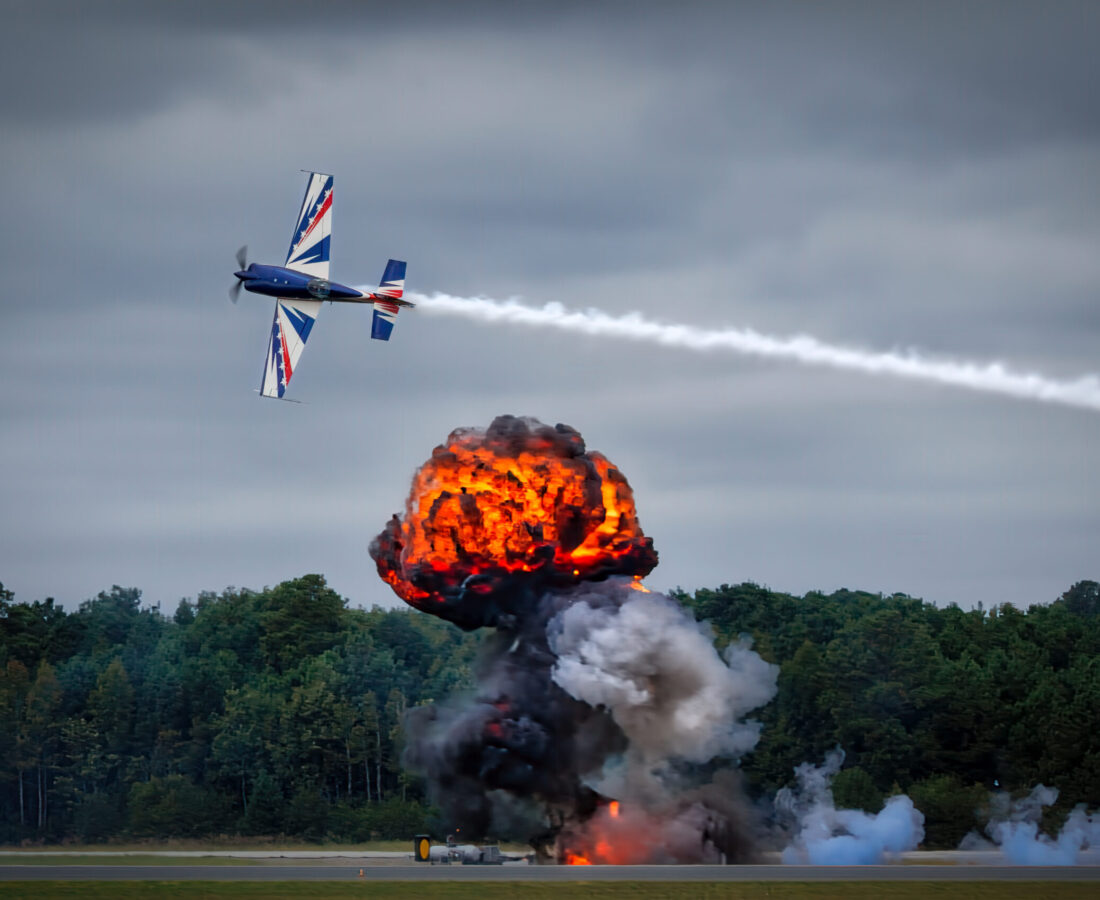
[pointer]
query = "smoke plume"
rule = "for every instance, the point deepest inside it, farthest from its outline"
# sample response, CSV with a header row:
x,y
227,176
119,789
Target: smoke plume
x,y
992,377
605,727
1013,828
825,835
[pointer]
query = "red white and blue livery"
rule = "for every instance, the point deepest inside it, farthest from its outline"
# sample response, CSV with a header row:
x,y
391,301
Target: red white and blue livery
x,y
301,285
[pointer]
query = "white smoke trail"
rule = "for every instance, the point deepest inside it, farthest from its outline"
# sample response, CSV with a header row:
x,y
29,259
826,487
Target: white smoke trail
x,y
993,377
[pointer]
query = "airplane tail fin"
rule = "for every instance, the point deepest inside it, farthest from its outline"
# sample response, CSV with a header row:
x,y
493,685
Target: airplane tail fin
x,y
388,300
393,280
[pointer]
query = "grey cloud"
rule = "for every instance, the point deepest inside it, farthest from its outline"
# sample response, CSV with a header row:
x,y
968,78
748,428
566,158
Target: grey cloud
x,y
875,175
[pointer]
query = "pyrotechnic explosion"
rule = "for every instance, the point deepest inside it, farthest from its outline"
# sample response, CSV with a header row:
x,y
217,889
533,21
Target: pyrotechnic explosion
x,y
494,514
605,727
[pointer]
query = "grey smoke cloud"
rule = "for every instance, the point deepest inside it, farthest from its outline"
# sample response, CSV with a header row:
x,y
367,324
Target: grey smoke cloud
x,y
825,835
657,672
1014,829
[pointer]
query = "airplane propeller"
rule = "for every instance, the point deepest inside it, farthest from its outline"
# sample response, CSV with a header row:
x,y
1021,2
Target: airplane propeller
x,y
242,263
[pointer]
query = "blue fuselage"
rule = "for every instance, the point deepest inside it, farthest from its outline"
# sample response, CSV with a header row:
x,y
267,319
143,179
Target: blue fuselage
x,y
275,281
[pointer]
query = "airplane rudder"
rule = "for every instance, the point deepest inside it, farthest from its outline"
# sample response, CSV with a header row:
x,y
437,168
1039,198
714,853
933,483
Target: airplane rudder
x,y
395,271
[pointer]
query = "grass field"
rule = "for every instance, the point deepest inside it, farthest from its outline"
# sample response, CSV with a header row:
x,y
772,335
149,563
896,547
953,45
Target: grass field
x,y
626,890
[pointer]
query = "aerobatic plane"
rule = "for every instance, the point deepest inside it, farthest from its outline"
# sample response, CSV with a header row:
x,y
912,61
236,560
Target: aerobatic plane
x,y
301,285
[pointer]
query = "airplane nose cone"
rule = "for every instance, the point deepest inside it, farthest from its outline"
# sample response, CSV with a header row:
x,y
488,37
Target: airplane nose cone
x,y
243,274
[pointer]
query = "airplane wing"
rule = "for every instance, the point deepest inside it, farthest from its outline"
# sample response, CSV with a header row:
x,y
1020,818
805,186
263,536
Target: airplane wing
x,y
309,248
293,321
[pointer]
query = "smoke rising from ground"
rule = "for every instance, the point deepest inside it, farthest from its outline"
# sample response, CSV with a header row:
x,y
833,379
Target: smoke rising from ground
x,y
605,693
826,836
644,661
992,377
1013,828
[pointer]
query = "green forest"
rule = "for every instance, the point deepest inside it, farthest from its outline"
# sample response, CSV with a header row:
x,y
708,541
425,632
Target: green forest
x,y
279,712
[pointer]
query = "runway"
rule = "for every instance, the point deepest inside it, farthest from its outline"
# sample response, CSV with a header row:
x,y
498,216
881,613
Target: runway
x,y
367,872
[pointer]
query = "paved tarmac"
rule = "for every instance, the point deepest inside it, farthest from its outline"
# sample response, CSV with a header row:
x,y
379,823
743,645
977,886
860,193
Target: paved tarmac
x,y
424,872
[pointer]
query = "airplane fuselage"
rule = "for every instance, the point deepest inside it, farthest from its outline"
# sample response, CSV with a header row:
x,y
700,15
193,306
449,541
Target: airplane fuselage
x,y
276,281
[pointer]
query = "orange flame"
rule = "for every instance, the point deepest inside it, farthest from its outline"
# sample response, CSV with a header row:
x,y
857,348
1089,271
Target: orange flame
x,y
613,809
575,859
518,499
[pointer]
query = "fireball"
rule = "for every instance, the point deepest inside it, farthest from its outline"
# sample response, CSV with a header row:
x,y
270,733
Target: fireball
x,y
497,515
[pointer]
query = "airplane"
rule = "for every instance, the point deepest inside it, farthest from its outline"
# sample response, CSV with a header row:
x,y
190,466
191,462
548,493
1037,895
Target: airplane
x,y
301,285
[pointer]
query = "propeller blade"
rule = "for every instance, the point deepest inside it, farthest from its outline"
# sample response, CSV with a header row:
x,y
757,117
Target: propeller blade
x,y
235,291
242,257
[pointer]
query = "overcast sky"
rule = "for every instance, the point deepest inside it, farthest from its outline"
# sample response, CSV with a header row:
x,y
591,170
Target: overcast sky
x,y
876,175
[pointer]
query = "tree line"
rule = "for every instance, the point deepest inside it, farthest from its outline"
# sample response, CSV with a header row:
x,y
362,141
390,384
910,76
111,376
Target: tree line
x,y
280,711
943,704
250,712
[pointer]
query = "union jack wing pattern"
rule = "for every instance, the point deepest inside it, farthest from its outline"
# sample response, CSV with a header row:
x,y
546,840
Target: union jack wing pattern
x,y
309,248
289,330
385,312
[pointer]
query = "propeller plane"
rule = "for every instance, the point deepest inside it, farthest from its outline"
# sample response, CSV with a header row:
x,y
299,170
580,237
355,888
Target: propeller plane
x,y
301,285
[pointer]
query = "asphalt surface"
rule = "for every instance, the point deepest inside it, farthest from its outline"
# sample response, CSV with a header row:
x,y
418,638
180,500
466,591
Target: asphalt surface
x,y
544,873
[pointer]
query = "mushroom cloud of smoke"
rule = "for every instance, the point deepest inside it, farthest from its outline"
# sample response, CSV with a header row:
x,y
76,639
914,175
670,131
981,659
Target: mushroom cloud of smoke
x,y
605,726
